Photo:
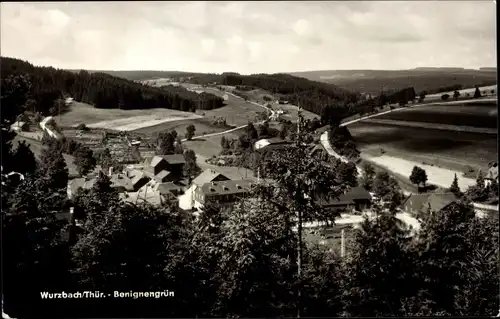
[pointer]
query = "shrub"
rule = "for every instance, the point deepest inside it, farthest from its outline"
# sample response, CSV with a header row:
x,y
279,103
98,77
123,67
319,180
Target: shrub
x,y
445,97
82,127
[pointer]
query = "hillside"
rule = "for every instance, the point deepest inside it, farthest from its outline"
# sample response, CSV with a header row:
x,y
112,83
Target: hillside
x,y
142,75
432,80
102,90
311,95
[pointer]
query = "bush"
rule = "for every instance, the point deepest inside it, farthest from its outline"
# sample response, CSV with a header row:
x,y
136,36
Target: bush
x,y
445,97
82,127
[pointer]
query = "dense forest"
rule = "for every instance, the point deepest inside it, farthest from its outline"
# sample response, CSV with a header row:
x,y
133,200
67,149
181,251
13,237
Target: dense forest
x,y
311,95
143,75
102,90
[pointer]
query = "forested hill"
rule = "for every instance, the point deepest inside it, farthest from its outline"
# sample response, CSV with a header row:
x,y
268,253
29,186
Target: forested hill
x,y
143,75
430,80
312,95
102,90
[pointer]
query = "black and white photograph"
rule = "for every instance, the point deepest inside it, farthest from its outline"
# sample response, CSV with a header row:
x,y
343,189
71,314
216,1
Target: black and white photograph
x,y
249,159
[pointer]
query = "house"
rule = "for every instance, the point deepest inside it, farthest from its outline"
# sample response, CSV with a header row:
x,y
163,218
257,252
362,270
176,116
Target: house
x,y
357,198
186,201
121,182
492,174
75,184
208,176
172,163
156,193
223,192
269,143
418,204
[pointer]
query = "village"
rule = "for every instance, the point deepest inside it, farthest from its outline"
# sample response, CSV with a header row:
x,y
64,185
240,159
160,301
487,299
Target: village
x,y
141,176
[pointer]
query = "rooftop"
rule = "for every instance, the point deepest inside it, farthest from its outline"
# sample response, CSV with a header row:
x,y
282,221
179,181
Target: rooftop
x,y
171,159
207,176
227,187
349,198
439,201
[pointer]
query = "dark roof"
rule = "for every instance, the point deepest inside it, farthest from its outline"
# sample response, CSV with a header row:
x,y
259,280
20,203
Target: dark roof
x,y
420,202
227,187
349,198
415,203
165,188
174,159
438,201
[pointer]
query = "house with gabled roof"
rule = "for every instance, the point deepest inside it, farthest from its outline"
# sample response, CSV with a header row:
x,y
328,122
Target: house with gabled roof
x,y
421,204
356,198
209,175
186,201
223,192
174,164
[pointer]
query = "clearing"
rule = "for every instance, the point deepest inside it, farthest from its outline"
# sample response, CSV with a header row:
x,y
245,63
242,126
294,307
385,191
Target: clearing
x,y
460,151
437,176
117,119
237,112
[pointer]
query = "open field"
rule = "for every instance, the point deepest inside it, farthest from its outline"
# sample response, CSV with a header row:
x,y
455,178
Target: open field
x,y
482,116
237,112
84,113
289,109
141,121
202,125
486,89
438,176
209,146
448,149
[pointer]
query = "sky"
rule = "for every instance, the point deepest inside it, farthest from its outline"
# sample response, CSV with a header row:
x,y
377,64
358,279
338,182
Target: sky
x,y
251,37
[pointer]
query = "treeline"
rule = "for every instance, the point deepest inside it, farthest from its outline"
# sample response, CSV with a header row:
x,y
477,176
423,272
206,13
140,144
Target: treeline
x,y
101,90
428,81
311,95
143,75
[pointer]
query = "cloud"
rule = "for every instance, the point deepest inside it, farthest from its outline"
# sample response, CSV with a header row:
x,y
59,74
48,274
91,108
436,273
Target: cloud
x,y
250,37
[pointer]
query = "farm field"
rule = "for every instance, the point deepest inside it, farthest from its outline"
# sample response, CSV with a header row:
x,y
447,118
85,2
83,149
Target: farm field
x,y
202,125
483,116
438,176
470,91
209,146
289,109
116,119
455,150
237,112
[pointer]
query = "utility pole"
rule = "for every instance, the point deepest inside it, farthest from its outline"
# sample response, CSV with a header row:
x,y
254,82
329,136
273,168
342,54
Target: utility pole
x,y
299,225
